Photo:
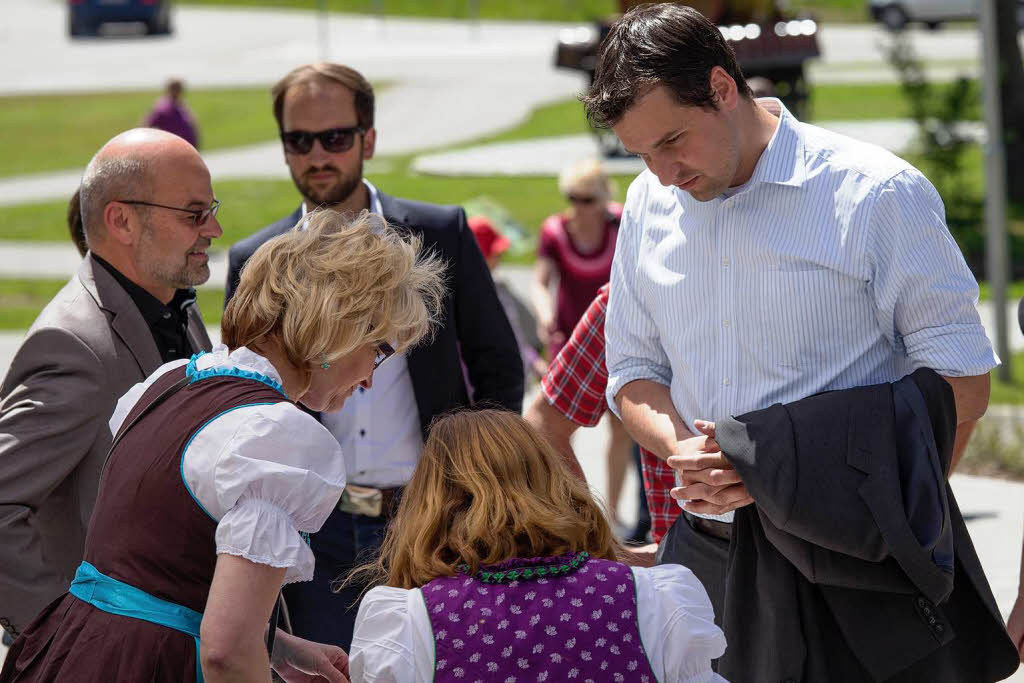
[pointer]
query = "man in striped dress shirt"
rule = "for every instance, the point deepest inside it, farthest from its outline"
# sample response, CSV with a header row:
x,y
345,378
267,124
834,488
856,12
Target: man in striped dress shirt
x,y
760,260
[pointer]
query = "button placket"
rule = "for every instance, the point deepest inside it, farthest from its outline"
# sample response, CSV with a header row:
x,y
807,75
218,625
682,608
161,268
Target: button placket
x,y
727,285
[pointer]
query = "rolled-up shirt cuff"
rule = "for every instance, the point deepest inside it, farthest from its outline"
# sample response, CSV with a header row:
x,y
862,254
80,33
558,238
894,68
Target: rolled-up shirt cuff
x,y
622,378
952,351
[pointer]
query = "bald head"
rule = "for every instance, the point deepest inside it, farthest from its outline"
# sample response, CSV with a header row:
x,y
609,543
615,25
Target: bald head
x,y
130,166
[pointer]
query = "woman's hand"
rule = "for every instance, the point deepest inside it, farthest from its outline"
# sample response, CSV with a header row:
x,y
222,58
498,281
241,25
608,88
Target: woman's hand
x,y
302,661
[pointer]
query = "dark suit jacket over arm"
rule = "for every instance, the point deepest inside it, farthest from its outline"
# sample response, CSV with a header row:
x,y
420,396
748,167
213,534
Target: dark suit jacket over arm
x,y
851,537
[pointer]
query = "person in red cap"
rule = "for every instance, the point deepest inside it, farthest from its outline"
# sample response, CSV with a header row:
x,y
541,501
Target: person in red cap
x,y
493,244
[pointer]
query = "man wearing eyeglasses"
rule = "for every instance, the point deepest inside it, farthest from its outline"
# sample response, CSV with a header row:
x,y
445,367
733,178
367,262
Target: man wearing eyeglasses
x,y
325,116
149,216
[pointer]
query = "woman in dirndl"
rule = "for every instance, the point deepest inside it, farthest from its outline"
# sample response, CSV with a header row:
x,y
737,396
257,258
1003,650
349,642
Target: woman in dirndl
x,y
500,567
216,473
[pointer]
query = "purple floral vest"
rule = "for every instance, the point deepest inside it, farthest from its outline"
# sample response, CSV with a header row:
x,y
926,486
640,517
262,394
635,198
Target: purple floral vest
x,y
566,618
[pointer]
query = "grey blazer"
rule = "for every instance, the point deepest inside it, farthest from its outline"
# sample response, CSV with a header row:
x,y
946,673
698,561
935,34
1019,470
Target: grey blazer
x,y
84,351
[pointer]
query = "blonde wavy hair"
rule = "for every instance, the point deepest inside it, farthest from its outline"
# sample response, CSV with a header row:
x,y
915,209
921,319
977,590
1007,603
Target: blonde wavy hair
x,y
335,286
488,488
588,176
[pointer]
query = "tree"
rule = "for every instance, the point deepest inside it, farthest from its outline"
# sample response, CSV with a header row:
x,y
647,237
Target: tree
x,y
1011,71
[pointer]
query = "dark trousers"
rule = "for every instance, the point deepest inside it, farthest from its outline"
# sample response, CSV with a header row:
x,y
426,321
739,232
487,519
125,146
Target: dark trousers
x,y
317,612
706,556
643,515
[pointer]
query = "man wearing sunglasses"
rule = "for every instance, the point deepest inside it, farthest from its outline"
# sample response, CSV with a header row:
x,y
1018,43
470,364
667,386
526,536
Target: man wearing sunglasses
x,y
149,215
325,116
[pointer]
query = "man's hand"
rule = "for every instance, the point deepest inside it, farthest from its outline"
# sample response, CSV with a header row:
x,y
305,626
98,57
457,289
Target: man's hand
x,y
710,485
302,661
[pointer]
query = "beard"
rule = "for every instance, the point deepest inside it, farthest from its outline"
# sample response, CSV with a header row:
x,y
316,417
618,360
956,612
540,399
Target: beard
x,y
334,194
165,267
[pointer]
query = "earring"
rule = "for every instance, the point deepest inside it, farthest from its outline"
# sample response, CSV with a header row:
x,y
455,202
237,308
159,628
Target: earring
x,y
323,360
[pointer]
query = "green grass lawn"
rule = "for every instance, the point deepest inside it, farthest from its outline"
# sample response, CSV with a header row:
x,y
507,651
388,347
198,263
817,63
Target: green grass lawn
x,y
828,103
249,205
1015,291
1012,391
533,10
21,300
57,132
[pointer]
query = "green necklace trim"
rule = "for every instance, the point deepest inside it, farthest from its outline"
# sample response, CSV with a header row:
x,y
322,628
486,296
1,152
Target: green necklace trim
x,y
529,573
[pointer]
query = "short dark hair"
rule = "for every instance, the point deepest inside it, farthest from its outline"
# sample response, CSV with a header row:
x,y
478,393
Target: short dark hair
x,y
326,71
658,44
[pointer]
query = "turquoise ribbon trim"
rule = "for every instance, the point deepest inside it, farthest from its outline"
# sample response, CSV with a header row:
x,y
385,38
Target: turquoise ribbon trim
x,y
195,375
116,597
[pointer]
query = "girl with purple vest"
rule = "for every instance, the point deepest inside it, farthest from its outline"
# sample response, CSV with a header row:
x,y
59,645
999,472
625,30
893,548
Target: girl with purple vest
x,y
216,474
500,568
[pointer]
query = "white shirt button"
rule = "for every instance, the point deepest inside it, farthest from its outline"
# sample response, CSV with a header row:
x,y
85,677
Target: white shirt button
x,y
726,381
726,323
725,262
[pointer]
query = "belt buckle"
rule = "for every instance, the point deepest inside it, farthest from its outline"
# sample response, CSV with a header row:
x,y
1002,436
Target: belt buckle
x,y
362,500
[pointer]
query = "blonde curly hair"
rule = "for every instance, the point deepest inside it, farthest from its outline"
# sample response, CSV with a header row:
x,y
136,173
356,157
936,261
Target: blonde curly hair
x,y
334,286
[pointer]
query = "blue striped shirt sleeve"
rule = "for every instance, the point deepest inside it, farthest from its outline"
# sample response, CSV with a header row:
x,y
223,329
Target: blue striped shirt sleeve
x,y
633,348
924,292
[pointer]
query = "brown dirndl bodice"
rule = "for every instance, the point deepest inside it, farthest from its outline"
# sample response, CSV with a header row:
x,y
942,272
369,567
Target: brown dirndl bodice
x,y
147,530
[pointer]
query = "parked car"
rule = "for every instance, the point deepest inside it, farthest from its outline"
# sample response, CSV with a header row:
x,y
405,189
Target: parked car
x,y
86,16
896,14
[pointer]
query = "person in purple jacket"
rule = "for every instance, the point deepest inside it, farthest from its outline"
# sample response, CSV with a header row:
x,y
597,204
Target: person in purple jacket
x,y
499,566
170,114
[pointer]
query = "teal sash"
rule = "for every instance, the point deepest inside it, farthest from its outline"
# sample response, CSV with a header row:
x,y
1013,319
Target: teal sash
x,y
116,597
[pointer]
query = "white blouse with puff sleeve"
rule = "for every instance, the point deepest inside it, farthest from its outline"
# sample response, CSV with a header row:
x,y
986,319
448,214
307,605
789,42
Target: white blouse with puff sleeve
x,y
265,473
394,643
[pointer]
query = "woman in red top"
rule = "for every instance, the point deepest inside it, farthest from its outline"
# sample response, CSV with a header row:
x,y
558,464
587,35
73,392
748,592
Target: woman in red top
x,y
574,258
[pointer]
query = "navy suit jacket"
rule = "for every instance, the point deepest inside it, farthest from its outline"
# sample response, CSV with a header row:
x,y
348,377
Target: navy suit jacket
x,y
473,322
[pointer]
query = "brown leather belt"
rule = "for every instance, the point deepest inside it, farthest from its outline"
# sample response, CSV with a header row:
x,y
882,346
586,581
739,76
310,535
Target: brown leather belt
x,y
369,501
711,527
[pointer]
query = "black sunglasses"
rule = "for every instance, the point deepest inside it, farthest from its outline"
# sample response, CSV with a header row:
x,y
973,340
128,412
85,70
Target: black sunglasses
x,y
581,199
199,216
384,351
333,140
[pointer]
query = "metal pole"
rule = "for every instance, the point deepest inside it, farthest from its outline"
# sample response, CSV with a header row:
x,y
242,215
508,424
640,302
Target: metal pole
x,y
996,242
322,32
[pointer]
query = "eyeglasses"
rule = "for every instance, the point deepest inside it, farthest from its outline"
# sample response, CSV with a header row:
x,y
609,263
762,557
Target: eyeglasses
x,y
581,199
199,216
333,140
384,351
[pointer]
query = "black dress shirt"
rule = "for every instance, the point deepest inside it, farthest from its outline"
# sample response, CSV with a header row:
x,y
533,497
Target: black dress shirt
x,y
168,323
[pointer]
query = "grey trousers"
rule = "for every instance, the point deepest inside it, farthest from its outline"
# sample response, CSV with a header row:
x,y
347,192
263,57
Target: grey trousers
x,y
704,555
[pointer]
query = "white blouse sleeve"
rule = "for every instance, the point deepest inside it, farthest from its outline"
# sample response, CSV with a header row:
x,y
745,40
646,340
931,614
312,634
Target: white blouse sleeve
x,y
677,624
393,641
265,473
